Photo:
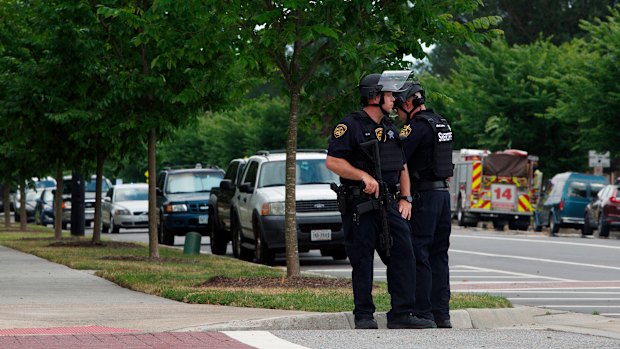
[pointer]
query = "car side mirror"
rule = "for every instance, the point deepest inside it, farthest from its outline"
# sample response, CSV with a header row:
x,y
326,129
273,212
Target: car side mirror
x,y
107,199
246,187
158,191
226,184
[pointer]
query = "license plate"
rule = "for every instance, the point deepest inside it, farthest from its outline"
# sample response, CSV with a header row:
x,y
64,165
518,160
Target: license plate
x,y
321,235
203,219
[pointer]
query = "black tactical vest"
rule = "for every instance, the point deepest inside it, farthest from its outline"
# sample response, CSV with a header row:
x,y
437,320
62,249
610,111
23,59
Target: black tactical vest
x,y
390,148
438,158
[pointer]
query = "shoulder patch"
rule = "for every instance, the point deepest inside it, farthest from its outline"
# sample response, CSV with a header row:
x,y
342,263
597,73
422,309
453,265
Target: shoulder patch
x,y
340,130
405,131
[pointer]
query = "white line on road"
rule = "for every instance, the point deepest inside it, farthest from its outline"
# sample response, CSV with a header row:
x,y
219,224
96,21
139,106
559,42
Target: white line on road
x,y
460,277
562,299
535,259
515,273
578,306
262,340
521,291
531,240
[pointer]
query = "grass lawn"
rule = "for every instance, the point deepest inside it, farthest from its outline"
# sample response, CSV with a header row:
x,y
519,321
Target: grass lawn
x,y
205,278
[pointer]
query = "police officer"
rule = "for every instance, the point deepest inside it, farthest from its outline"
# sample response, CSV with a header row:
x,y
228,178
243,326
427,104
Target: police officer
x,y
362,232
428,150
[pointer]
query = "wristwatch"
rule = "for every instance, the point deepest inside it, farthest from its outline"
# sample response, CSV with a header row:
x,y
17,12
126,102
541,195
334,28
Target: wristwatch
x,y
408,198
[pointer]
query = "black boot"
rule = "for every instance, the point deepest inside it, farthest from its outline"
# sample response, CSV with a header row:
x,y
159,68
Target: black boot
x,y
409,322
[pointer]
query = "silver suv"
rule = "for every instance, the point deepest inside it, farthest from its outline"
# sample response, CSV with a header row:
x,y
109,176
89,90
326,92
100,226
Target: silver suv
x,y
258,208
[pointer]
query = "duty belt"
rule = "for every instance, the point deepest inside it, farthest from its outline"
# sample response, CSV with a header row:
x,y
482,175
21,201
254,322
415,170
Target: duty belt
x,y
429,185
351,190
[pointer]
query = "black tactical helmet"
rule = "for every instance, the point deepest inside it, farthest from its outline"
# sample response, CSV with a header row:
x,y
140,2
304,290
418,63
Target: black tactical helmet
x,y
408,90
369,86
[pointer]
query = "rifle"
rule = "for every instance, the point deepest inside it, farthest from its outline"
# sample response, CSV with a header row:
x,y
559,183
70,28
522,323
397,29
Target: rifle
x,y
371,149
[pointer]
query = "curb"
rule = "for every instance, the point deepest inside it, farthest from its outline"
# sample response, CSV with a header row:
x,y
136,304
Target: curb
x,y
461,319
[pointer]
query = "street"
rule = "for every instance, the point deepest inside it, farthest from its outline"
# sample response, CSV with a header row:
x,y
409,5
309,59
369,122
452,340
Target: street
x,y
565,273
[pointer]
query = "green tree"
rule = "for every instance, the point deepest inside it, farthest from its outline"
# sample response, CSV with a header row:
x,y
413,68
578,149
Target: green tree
x,y
498,101
527,21
163,61
218,137
304,42
589,91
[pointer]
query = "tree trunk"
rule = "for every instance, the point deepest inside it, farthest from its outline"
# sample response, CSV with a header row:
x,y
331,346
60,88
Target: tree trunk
x,y
58,205
23,216
6,199
153,243
290,221
97,219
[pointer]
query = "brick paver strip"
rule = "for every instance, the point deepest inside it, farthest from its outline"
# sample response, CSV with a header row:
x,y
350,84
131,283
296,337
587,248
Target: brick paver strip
x,y
161,340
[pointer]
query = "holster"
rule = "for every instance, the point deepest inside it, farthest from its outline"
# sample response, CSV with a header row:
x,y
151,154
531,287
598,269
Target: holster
x,y
341,196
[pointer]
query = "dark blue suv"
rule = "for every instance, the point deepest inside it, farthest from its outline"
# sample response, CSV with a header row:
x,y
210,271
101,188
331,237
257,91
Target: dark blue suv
x,y
183,201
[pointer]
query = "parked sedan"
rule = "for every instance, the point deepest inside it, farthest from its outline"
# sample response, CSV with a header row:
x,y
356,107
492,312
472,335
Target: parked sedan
x,y
44,209
603,213
125,206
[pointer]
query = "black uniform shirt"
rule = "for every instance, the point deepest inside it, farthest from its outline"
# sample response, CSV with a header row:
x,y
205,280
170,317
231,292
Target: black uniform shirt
x,y
419,136
347,136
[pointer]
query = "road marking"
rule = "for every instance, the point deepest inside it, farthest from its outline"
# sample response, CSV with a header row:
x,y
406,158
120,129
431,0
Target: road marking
x,y
553,291
562,299
578,306
262,340
535,241
535,259
515,273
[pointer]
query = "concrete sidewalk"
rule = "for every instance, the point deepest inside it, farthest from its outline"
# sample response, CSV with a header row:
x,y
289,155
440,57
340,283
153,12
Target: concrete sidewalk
x,y
38,294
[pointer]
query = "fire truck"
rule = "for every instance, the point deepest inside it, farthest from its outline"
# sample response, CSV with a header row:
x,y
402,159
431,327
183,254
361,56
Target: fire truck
x,y
501,187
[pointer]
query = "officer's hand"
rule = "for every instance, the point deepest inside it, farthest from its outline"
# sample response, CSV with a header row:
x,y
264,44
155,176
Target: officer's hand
x,y
370,186
404,207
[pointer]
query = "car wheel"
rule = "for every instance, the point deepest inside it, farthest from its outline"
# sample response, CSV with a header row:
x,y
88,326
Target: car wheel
x,y
263,254
537,224
337,253
462,218
587,228
519,224
17,215
37,217
105,228
166,237
239,251
499,225
603,227
219,242
554,228
114,229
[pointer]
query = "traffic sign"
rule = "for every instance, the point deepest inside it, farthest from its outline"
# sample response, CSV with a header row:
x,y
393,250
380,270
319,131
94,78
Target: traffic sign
x,y
598,159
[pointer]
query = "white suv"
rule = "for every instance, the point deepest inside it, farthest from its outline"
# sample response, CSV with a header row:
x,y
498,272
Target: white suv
x,y
258,208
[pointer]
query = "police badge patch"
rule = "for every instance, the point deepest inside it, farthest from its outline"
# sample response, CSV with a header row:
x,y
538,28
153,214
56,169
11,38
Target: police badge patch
x,y
340,130
379,133
405,131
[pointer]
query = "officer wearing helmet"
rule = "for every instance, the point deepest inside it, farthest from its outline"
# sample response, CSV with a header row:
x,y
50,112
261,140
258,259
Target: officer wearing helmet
x,y
428,152
358,186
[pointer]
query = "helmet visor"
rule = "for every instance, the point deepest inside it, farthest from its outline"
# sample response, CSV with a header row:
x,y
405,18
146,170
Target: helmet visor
x,y
393,80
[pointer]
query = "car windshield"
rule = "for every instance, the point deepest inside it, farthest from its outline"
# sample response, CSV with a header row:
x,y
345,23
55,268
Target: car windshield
x,y
46,184
193,182
308,172
578,189
596,187
132,194
91,186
